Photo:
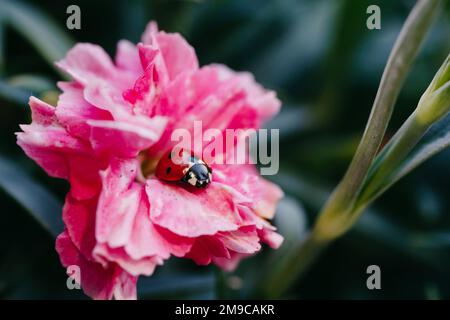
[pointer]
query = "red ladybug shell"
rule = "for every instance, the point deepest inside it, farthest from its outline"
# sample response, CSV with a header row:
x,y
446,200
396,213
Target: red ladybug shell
x,y
184,166
167,170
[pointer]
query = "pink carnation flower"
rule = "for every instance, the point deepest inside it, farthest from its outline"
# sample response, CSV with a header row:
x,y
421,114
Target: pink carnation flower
x,y
111,124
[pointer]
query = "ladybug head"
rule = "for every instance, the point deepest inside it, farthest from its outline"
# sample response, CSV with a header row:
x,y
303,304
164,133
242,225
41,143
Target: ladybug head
x,y
198,174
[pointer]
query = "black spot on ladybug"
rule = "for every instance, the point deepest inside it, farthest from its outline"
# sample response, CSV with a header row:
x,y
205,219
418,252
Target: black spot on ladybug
x,y
168,170
170,155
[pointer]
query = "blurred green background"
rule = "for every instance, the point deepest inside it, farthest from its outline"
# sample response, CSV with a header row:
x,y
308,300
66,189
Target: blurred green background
x,y
325,65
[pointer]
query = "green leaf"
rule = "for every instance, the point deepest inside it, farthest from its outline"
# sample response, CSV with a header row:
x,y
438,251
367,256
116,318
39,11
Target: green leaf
x,y
40,203
34,83
338,207
48,38
14,94
2,46
435,140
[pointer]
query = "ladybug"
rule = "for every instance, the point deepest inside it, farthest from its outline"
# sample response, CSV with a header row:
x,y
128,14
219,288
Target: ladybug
x,y
188,169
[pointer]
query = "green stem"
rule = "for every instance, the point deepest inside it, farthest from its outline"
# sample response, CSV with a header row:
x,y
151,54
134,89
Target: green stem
x,y
392,155
340,212
2,46
401,144
331,226
395,72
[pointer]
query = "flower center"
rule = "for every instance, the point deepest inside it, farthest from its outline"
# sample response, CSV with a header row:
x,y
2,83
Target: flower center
x,y
148,164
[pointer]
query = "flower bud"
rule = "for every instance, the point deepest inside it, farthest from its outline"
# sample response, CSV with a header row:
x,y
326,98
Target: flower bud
x,y
435,102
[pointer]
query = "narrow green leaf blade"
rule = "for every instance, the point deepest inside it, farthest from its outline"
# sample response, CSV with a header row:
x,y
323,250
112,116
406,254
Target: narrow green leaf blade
x,y
48,38
434,141
13,94
40,203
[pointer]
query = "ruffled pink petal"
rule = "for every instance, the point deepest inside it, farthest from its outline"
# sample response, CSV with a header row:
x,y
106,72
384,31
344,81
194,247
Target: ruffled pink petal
x,y
229,264
102,81
200,96
264,102
124,231
149,239
61,154
250,218
125,139
106,96
148,55
218,97
42,113
84,176
50,147
273,239
151,30
177,54
191,213
128,133
245,179
127,57
79,219
86,62
144,266
125,287
266,196
244,240
97,282
205,248
73,110
118,203
223,246
145,94
215,90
